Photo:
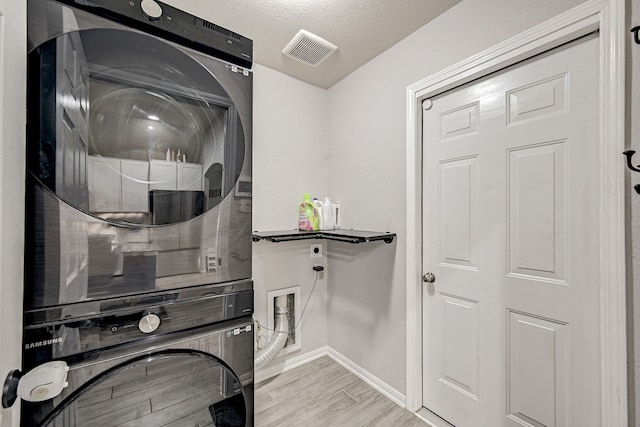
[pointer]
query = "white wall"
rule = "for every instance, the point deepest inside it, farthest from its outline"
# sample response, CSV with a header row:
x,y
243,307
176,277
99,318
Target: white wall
x,y
366,146
289,159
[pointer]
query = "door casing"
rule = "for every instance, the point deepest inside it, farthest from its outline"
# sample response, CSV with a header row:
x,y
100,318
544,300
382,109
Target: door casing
x,y
607,17
13,90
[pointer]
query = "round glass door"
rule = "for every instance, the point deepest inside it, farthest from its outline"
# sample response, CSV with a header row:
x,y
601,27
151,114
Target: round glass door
x,y
171,388
129,128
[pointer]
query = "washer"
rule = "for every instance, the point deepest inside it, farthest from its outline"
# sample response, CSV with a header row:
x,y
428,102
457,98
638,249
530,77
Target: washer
x,y
148,361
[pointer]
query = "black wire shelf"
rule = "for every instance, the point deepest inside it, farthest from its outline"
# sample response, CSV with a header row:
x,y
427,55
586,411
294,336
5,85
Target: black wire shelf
x,y
349,236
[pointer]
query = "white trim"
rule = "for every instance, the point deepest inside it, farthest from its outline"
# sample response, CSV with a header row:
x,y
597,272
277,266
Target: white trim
x,y
278,367
613,350
13,120
608,17
389,392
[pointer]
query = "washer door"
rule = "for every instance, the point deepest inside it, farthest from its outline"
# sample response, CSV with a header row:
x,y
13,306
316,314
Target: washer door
x,y
168,388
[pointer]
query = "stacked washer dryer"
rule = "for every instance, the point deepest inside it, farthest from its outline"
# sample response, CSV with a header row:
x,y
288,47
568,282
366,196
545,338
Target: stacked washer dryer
x,y
138,235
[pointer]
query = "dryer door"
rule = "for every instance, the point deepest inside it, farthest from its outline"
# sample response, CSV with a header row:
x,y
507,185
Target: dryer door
x,y
167,388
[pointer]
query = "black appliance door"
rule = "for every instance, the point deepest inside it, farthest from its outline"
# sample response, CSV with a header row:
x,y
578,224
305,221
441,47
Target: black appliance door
x,y
168,388
110,107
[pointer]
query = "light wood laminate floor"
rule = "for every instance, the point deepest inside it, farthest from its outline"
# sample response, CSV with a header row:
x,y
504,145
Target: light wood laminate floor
x,y
324,393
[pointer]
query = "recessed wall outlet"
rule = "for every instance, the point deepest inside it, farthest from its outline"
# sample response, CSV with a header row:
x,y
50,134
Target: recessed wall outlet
x,y
293,305
315,251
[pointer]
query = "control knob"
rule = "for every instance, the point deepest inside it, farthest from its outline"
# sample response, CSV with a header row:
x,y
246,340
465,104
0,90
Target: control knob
x,y
151,9
149,323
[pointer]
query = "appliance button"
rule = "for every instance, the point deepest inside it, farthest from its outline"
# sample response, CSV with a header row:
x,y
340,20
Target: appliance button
x,y
151,9
40,393
149,323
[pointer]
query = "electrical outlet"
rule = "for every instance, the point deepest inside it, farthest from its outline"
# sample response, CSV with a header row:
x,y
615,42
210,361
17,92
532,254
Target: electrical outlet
x,y
315,251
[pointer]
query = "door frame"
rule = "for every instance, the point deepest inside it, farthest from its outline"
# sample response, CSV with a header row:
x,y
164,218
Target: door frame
x,y
13,97
607,16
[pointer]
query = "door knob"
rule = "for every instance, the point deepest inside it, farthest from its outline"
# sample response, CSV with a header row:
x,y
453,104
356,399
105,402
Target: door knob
x,y
429,277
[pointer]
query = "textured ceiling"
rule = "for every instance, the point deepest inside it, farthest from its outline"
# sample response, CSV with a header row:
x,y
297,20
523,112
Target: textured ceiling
x,y
361,29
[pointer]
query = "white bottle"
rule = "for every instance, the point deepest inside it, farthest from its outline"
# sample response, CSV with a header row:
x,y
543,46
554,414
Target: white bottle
x,y
328,218
318,204
179,158
168,157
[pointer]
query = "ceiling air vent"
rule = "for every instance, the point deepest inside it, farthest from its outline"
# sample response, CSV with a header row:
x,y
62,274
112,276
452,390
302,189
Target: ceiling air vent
x,y
309,48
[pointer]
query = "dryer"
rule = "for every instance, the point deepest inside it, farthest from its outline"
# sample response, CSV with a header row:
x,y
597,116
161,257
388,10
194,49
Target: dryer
x,y
138,151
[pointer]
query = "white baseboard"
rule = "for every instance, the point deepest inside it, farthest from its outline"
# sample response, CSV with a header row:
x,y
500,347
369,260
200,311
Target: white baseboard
x,y
375,382
288,363
277,367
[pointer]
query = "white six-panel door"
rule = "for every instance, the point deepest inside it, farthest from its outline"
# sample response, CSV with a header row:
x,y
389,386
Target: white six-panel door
x,y
510,213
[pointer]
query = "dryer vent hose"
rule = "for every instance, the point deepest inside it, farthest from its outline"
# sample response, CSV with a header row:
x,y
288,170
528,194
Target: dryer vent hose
x,y
279,337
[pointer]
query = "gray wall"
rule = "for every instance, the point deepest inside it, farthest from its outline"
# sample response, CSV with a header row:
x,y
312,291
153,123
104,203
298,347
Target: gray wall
x,y
289,159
